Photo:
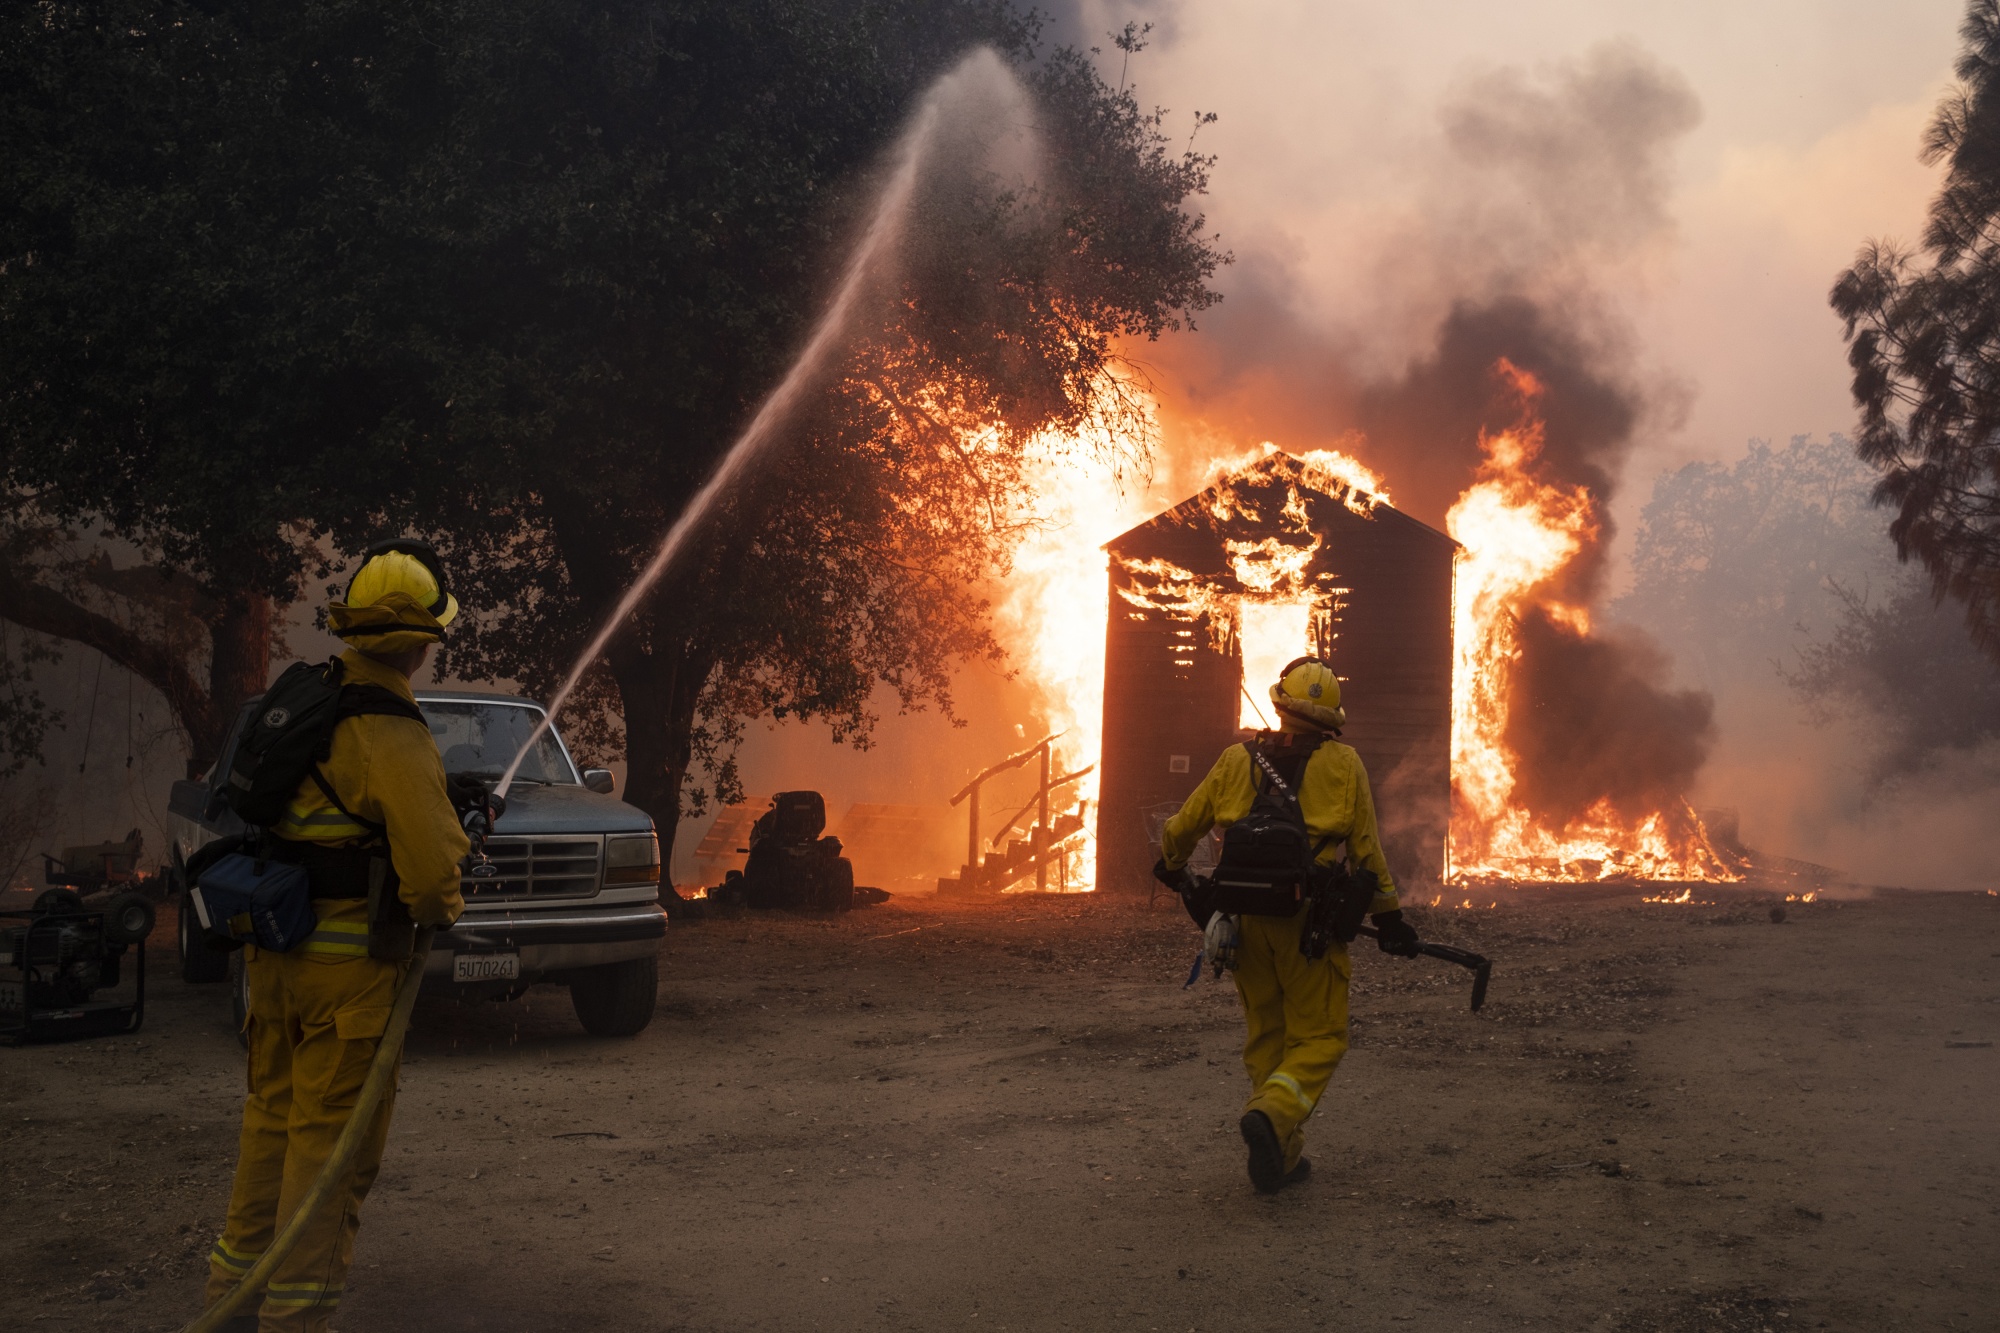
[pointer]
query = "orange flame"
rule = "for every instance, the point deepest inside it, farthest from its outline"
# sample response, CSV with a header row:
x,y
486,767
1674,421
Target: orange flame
x,y
1051,612
1277,609
1518,534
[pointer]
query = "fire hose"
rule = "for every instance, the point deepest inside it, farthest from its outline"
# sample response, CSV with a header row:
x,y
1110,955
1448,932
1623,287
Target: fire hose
x,y
332,1177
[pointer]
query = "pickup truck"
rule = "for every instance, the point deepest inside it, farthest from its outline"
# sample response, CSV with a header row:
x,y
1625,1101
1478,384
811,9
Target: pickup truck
x,y
577,899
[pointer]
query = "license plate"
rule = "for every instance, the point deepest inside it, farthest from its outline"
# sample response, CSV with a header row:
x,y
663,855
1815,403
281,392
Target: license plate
x,y
486,967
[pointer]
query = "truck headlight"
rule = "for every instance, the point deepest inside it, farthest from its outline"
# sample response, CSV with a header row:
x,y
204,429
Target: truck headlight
x,y
632,859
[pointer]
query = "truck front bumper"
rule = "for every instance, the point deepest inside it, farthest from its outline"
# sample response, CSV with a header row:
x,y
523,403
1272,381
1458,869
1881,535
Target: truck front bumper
x,y
552,940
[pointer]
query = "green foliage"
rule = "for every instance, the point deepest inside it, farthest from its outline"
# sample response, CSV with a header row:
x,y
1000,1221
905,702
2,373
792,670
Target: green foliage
x,y
637,214
24,718
1898,669
196,313
274,279
1924,337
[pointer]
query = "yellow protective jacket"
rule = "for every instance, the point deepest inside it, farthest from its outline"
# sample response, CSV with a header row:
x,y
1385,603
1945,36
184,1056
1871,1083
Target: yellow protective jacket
x,y
386,769
1333,797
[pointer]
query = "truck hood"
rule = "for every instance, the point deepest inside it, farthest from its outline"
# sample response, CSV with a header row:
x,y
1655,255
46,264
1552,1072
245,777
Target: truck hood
x,y
533,811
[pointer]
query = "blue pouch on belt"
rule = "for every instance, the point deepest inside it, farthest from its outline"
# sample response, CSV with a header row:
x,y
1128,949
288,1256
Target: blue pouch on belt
x,y
254,900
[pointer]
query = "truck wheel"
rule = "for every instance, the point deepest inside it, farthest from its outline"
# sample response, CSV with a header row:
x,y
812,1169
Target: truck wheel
x,y
616,1000
201,962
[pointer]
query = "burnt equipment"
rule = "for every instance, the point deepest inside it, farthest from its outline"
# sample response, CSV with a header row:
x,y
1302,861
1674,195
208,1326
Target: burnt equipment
x,y
791,865
106,878
55,958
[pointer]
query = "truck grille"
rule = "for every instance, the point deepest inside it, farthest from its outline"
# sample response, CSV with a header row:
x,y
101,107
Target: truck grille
x,y
538,868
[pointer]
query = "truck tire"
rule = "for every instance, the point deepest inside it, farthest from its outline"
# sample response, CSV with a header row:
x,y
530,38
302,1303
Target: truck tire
x,y
201,962
616,1000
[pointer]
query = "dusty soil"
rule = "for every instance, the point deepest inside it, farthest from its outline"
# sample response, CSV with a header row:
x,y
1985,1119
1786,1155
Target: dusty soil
x,y
1012,1116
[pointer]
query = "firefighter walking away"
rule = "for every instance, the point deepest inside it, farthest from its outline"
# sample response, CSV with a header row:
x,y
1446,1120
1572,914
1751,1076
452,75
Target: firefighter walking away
x,y
1301,866
370,822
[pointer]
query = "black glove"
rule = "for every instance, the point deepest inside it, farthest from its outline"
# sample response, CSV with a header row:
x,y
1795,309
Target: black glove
x,y
1180,881
468,794
465,793
1395,935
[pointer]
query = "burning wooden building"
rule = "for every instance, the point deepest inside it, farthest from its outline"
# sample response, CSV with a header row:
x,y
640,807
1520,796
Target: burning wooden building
x,y
1209,601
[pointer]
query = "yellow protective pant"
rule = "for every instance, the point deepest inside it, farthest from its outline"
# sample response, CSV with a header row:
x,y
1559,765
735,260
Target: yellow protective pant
x,y
1296,1015
314,1024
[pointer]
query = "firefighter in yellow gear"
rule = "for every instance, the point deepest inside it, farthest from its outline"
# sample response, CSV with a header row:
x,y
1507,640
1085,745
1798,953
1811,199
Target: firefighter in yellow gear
x,y
317,1012
1295,1008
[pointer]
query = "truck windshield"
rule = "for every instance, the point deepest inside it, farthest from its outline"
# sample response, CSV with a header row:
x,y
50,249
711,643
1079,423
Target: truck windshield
x,y
482,739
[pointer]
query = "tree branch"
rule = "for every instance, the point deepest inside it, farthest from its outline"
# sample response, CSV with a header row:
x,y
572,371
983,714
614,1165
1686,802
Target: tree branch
x,y
36,607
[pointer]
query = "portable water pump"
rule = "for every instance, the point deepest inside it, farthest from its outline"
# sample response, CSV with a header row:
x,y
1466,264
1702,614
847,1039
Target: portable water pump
x,y
55,959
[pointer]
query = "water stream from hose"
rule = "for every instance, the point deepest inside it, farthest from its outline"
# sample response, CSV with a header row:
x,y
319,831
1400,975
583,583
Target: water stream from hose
x,y
974,75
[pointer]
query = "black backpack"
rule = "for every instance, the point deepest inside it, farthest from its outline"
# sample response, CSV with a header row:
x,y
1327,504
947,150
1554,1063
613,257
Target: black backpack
x,y
292,735
1268,861
1270,866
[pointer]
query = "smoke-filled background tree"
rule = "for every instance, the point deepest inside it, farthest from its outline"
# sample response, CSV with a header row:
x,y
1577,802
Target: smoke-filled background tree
x,y
1925,335
617,290
1771,576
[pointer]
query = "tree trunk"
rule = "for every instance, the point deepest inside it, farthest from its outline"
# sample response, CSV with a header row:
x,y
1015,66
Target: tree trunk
x,y
659,693
239,654
239,665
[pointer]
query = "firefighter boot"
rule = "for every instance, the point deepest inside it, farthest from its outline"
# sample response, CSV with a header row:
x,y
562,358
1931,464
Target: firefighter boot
x,y
1267,1155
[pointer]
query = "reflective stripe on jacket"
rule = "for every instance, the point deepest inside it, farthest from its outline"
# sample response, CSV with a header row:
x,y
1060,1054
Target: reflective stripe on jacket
x,y
1333,796
385,769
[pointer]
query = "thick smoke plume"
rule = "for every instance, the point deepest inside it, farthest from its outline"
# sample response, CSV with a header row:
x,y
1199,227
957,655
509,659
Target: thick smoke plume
x,y
1431,418
1591,718
1543,191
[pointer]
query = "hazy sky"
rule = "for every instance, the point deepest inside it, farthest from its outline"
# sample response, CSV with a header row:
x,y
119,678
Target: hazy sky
x,y
1810,117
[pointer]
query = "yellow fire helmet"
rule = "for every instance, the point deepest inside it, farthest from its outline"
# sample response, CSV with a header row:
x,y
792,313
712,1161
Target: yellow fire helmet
x,y
396,601
1307,691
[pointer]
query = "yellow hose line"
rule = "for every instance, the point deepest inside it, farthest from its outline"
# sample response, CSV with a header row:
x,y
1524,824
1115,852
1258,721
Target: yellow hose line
x,y
332,1176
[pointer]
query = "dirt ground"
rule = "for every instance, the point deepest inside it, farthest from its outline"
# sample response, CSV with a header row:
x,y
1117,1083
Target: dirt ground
x,y
1011,1116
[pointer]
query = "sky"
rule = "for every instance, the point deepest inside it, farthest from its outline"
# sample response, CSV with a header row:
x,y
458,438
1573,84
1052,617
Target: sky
x,y
1810,116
